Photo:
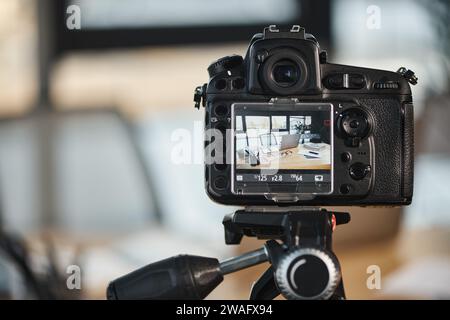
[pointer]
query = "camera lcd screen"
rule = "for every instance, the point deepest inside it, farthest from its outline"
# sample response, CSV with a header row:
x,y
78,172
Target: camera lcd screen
x,y
282,148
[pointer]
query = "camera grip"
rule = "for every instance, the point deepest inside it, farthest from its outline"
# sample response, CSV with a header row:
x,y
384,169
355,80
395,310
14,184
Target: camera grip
x,y
408,151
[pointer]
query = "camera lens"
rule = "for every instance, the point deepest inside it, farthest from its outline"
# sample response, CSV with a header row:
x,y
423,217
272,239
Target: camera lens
x,y
285,73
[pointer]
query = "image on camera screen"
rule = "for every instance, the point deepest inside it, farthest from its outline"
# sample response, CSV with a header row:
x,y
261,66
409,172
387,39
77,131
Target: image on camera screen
x,y
280,146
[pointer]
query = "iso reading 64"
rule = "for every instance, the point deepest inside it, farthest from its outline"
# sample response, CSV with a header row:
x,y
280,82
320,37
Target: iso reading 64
x,y
225,309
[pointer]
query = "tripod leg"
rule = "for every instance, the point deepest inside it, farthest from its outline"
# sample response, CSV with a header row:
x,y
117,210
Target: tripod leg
x,y
265,288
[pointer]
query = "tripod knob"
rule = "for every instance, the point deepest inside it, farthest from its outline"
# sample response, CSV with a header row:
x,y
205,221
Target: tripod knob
x,y
308,273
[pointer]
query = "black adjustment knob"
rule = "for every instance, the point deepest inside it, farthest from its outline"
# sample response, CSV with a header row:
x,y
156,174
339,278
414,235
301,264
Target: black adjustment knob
x,y
308,273
359,171
224,64
353,123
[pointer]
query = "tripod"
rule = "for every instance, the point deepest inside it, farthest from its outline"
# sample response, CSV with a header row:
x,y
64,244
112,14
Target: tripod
x,y
298,248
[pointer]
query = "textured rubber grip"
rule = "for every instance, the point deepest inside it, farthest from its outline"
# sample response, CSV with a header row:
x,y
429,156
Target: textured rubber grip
x,y
179,277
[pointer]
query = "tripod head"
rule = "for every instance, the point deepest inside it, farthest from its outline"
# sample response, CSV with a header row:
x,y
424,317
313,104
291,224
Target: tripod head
x,y
299,249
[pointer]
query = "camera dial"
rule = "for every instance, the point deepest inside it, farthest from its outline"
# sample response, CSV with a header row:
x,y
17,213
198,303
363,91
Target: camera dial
x,y
353,123
224,64
308,273
359,171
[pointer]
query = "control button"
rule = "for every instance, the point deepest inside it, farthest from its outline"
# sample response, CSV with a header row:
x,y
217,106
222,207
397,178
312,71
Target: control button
x,y
221,110
346,157
345,188
353,123
220,182
238,83
359,171
220,84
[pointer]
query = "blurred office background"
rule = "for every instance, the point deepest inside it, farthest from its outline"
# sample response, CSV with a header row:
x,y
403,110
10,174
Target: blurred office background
x,y
86,125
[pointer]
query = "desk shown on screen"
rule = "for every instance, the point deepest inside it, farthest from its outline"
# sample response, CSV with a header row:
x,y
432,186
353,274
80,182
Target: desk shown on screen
x,y
298,158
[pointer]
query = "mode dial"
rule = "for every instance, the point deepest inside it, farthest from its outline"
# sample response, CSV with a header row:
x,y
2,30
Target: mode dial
x,y
224,64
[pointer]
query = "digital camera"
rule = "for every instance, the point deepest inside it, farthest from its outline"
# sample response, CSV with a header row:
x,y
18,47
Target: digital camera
x,y
285,127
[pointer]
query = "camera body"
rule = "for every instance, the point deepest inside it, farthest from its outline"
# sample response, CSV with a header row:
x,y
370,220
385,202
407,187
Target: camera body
x,y
298,130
